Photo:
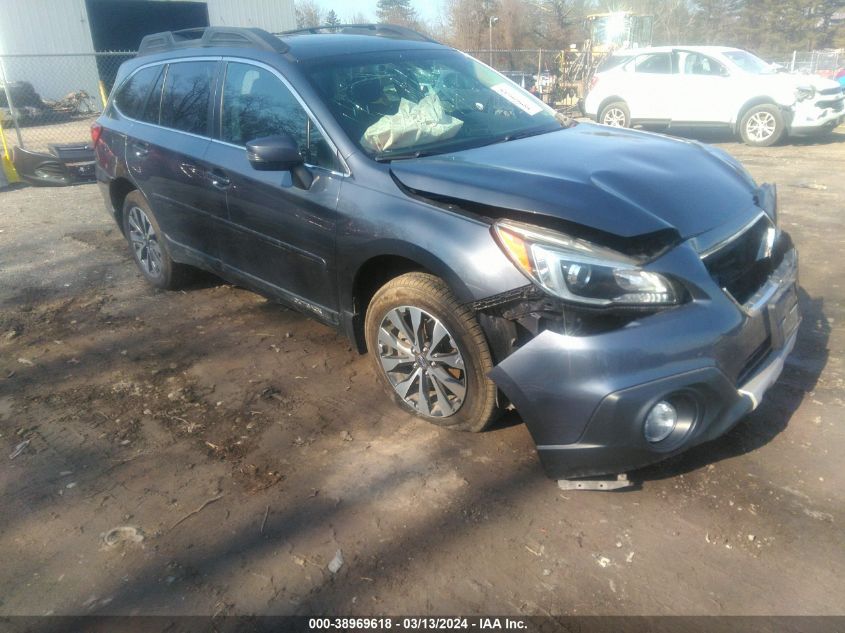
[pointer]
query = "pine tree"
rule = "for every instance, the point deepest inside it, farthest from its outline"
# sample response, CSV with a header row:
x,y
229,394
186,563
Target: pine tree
x,y
331,18
397,12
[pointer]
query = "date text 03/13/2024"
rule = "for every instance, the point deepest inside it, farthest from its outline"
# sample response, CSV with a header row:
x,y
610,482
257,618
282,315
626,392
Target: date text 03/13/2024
x,y
418,623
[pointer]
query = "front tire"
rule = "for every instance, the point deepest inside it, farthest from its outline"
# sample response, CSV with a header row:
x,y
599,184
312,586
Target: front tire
x,y
615,114
762,126
149,249
430,353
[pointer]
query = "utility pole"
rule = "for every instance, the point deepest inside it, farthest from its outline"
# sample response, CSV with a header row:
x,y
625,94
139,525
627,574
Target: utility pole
x,y
493,19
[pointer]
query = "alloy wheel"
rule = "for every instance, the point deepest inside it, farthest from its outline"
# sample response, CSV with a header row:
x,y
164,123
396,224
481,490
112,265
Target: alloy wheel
x,y
761,126
614,117
144,242
422,361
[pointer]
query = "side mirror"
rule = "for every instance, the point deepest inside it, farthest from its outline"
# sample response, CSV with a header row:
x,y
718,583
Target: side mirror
x,y
274,153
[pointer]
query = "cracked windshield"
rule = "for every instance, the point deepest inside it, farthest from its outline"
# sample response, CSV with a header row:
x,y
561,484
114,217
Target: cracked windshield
x,y
406,104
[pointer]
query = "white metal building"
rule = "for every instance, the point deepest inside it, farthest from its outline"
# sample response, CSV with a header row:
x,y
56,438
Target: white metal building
x,y
64,27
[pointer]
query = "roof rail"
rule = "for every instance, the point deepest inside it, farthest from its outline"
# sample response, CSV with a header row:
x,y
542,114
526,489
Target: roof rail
x,y
211,36
382,30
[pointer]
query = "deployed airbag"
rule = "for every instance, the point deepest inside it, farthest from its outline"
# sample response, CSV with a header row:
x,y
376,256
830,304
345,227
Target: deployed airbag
x,y
414,124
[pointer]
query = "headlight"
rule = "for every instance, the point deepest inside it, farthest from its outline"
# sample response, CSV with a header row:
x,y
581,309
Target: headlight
x,y
803,93
578,271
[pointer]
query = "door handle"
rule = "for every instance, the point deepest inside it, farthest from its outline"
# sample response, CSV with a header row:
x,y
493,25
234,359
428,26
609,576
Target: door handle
x,y
219,179
140,149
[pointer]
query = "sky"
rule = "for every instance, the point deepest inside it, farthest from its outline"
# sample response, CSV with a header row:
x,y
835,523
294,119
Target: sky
x,y
428,10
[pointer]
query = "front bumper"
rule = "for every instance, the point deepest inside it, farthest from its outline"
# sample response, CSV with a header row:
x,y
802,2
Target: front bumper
x,y
810,117
63,164
585,398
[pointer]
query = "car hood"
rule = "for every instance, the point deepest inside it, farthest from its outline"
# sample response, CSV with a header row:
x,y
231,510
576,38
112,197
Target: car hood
x,y
793,80
621,182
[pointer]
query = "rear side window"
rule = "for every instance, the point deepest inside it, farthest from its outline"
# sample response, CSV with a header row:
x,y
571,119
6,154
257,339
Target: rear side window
x,y
657,63
257,104
133,95
186,98
151,111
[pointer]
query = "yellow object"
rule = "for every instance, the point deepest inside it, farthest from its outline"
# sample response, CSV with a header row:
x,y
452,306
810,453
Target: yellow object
x,y
103,96
8,167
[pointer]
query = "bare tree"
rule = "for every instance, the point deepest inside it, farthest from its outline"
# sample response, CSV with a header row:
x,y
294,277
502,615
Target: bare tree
x,y
469,22
358,18
308,13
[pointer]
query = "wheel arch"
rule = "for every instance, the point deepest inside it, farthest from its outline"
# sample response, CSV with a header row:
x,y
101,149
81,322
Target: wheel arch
x,y
372,273
119,188
607,101
758,101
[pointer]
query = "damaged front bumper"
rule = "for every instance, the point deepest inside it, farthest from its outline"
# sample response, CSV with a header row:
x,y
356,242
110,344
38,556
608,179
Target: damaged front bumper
x,y
811,116
63,164
585,398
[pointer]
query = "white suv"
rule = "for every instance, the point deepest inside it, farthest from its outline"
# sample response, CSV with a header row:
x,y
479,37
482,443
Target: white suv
x,y
711,85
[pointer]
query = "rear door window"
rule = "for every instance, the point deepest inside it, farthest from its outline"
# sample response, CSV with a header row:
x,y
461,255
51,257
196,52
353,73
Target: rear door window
x,y
133,95
187,96
697,64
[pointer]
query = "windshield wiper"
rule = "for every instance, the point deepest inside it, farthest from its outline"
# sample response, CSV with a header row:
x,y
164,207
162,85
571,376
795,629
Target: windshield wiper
x,y
525,134
386,158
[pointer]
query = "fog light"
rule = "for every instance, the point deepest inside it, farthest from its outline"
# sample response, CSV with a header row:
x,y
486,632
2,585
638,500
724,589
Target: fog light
x,y
660,422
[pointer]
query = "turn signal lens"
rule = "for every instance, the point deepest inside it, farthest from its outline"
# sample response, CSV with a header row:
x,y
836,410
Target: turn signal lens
x,y
516,248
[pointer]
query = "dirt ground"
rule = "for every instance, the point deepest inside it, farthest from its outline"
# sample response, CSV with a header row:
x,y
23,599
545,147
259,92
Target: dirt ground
x,y
242,446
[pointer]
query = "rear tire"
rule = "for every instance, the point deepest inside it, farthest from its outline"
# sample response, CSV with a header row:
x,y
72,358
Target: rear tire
x,y
615,114
762,126
430,353
149,249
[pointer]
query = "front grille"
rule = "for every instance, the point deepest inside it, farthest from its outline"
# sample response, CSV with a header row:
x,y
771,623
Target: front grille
x,y
741,266
831,91
836,104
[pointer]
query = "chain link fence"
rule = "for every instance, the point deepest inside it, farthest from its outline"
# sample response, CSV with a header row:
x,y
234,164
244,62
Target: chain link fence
x,y
53,99
825,63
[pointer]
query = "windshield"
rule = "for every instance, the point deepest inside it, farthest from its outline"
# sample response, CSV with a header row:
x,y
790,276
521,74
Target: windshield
x,y
400,104
748,62
612,61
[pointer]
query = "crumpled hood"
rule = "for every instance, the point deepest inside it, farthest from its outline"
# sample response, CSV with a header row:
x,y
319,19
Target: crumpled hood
x,y
794,80
622,182
781,87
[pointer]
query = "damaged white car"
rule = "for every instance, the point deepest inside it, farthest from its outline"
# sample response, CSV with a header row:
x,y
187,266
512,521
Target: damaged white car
x,y
664,87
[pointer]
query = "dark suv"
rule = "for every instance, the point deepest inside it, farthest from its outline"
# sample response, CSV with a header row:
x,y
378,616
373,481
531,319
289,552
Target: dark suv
x,y
629,294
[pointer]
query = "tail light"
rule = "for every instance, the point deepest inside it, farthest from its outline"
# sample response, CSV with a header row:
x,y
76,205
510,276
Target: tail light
x,y
96,131
594,81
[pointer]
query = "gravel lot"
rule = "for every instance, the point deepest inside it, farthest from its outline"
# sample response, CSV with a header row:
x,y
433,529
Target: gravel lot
x,y
243,446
